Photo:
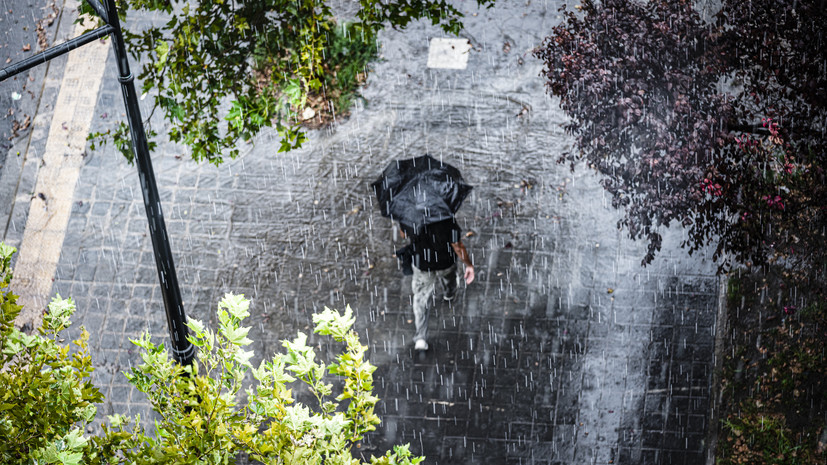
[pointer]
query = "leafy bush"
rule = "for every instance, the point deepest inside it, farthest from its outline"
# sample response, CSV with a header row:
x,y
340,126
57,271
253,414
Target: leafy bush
x,y
47,397
203,420
202,414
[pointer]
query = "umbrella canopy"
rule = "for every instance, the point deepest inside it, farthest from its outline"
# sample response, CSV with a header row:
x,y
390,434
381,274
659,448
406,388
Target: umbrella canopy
x,y
419,191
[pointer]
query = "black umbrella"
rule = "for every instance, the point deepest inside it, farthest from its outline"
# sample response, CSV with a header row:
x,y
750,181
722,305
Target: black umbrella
x,y
419,191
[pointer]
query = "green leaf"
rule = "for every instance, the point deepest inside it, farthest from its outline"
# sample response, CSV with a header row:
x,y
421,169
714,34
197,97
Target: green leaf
x,y
296,417
70,458
261,374
237,336
6,251
60,310
12,347
116,420
315,84
331,322
241,24
242,357
303,364
297,345
162,50
236,305
291,138
75,439
88,413
279,376
196,326
173,108
294,92
335,424
48,454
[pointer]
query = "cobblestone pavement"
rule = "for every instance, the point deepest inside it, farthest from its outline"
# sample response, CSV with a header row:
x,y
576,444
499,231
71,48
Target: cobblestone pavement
x,y
563,351
26,102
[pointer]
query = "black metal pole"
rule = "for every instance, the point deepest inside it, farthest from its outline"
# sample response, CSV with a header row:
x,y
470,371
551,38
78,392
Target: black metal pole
x,y
182,349
99,9
53,52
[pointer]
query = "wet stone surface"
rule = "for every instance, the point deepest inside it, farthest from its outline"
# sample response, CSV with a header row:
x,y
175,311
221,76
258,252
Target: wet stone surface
x,y
26,104
563,351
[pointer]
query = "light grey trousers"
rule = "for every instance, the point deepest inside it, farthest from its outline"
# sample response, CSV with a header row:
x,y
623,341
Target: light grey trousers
x,y
424,288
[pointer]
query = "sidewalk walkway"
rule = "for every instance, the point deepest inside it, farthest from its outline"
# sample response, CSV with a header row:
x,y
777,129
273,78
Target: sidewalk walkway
x,y
563,351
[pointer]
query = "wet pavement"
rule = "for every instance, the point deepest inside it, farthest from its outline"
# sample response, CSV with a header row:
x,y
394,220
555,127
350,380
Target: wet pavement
x,y
564,351
25,27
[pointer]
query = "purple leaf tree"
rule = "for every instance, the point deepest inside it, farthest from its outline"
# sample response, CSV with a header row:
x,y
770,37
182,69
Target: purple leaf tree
x,y
718,125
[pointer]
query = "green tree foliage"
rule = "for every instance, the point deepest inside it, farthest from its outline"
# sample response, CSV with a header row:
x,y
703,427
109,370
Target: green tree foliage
x,y
206,412
221,71
47,396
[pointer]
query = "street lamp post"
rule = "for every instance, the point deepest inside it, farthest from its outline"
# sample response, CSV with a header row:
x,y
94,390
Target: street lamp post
x,y
182,348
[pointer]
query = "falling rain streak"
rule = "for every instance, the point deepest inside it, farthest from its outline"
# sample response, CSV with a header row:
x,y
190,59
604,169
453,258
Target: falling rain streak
x,y
563,350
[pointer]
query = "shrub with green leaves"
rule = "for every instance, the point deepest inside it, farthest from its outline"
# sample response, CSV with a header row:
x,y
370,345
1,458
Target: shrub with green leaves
x,y
47,397
203,419
205,412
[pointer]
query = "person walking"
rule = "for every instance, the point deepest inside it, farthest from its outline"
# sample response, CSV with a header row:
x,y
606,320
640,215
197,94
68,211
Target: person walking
x,y
434,250
423,194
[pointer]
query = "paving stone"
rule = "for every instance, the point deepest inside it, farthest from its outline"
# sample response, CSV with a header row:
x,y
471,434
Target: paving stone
x,y
536,346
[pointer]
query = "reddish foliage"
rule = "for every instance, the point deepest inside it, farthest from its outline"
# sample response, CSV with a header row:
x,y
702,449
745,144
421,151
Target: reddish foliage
x,y
717,125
